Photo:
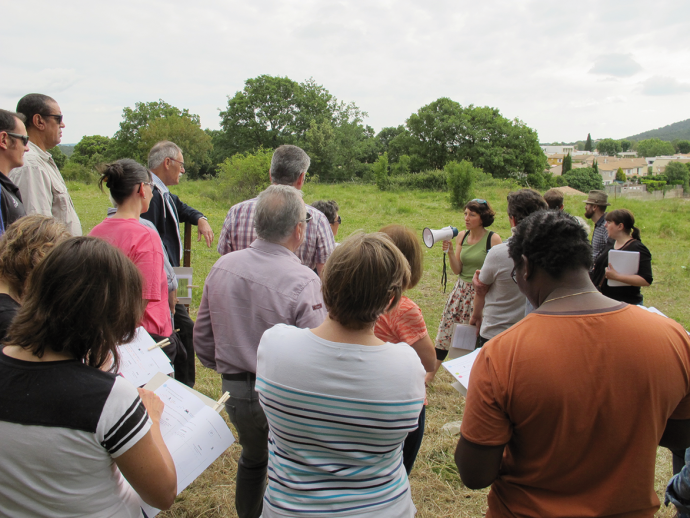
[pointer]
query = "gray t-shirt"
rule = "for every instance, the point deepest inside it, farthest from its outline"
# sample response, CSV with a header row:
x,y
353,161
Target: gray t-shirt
x,y
504,304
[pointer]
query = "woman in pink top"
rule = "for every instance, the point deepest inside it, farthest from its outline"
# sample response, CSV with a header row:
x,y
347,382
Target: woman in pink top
x,y
130,186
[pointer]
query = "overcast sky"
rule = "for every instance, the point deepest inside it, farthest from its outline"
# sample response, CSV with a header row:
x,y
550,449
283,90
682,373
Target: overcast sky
x,y
611,68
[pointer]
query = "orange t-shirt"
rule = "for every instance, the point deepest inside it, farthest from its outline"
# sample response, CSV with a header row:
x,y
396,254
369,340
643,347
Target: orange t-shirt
x,y
581,402
404,324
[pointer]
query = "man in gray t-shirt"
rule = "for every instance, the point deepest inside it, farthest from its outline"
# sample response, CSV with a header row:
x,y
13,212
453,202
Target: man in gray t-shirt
x,y
498,303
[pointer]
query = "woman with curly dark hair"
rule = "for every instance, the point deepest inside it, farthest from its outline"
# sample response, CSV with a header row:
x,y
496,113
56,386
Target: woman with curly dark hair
x,y
470,252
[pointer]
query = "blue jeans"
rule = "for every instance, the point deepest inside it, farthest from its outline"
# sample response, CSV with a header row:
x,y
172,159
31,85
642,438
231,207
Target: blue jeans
x,y
248,417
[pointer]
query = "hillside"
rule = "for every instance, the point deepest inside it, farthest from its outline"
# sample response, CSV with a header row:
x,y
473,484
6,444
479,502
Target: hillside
x,y
677,130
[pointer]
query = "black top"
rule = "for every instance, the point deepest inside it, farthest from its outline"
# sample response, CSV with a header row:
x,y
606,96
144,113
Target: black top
x,y
629,294
8,309
165,223
12,206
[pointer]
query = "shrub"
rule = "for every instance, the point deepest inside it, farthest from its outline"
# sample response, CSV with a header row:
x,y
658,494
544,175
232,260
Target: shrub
x,y
460,178
74,172
432,180
241,177
584,179
380,169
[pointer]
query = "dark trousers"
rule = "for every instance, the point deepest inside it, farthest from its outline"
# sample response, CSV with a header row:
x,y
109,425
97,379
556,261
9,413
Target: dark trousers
x,y
481,340
248,417
185,370
413,442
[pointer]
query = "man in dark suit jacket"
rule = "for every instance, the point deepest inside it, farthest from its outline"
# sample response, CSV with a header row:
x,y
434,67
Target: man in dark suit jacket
x,y
166,212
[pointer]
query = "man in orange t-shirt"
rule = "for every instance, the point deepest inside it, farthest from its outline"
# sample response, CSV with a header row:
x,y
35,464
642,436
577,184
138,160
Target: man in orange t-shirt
x,y
565,409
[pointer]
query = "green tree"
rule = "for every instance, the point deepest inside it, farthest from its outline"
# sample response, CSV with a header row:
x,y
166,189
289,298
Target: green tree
x,y
677,173
620,175
380,169
595,166
683,146
125,143
460,178
625,144
402,166
241,177
444,131
59,157
588,143
608,146
91,150
183,131
654,147
584,179
567,164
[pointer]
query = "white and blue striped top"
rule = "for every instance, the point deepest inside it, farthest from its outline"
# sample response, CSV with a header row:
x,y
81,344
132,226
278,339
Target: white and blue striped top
x,y
338,415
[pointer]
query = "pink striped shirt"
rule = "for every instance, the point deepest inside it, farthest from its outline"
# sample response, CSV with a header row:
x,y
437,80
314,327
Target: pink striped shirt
x,y
238,233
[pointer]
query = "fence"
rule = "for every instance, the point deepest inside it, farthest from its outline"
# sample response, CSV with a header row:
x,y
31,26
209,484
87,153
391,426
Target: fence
x,y
639,192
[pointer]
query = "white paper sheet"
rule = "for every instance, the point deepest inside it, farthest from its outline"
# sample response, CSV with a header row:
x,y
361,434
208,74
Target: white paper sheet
x,y
460,369
464,337
627,263
195,434
137,364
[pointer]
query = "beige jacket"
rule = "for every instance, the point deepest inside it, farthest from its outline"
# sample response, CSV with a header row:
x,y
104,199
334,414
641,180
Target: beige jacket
x,y
43,189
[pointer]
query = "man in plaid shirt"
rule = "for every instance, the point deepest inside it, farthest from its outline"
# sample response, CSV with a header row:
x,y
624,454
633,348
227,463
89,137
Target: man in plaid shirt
x,y
595,209
288,167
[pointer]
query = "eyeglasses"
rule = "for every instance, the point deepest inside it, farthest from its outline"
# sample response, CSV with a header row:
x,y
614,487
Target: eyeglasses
x,y
479,200
58,118
308,218
150,184
339,220
181,163
513,275
23,138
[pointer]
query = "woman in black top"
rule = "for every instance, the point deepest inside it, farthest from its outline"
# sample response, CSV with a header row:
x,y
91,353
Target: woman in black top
x,y
22,247
620,225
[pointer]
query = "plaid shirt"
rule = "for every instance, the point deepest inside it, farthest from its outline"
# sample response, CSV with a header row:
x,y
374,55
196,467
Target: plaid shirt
x,y
238,233
599,237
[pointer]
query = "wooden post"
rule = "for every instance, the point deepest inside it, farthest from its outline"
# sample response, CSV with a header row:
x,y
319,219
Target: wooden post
x,y
187,257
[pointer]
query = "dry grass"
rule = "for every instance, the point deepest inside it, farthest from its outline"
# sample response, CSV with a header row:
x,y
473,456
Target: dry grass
x,y
436,488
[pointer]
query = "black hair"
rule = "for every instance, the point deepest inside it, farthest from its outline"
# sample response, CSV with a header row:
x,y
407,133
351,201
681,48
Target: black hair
x,y
524,202
627,218
8,120
32,104
329,208
486,213
122,177
552,240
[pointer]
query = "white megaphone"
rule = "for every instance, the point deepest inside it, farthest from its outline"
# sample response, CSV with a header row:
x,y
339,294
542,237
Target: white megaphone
x,y
431,236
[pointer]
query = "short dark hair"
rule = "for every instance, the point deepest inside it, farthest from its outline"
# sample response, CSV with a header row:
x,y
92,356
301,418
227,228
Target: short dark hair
x,y
329,208
552,240
288,163
8,120
524,202
554,198
407,242
361,277
32,104
83,299
626,218
486,213
24,245
122,177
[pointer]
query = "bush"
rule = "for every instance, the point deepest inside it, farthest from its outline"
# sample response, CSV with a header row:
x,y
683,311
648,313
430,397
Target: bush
x,y
73,172
653,185
432,180
460,178
241,177
584,179
380,169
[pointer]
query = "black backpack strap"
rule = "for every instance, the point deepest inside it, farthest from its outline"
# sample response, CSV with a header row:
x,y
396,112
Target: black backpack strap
x,y
488,241
464,238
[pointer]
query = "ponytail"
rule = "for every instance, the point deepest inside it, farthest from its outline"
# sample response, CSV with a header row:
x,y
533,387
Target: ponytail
x,y
122,177
636,233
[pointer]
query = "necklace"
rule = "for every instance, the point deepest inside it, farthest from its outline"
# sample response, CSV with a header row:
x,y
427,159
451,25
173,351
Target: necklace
x,y
566,296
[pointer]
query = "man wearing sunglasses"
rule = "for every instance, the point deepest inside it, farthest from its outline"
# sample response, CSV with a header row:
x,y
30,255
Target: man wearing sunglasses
x,y
13,145
39,180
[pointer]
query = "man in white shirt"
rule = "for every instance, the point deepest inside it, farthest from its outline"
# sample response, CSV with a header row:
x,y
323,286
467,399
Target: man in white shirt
x,y
39,180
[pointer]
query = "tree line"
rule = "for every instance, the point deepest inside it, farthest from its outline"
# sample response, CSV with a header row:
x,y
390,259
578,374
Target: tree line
x,y
645,148
270,111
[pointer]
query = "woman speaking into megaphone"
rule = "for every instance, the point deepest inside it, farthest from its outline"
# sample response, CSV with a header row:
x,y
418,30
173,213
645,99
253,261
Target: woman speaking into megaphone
x,y
470,252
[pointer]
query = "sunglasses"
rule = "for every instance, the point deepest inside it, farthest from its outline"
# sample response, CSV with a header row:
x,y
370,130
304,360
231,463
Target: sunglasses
x,y
339,220
513,275
308,218
58,118
479,200
23,138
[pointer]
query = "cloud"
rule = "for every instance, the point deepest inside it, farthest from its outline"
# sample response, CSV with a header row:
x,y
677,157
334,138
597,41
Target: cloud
x,y
659,85
49,81
617,65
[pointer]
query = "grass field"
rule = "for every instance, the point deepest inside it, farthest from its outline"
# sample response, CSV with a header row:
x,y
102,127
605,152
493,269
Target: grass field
x,y
436,487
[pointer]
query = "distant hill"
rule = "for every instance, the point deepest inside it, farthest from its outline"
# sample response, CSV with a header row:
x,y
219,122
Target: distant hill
x,y
67,149
677,130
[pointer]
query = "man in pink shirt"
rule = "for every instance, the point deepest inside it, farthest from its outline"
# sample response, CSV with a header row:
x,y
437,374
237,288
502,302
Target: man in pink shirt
x,y
246,293
288,167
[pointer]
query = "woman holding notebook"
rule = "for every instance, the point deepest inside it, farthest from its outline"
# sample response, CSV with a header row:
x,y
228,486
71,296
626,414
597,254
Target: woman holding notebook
x,y
620,225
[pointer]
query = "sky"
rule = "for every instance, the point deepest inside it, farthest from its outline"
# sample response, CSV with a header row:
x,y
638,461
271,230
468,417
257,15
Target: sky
x,y
612,68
